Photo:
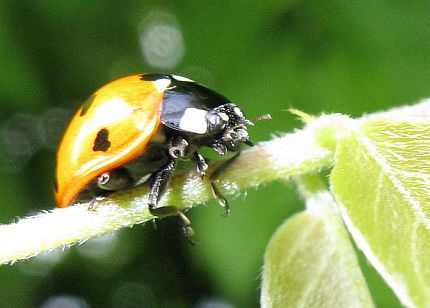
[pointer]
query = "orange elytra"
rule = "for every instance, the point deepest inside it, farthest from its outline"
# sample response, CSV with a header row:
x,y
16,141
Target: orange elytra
x,y
137,127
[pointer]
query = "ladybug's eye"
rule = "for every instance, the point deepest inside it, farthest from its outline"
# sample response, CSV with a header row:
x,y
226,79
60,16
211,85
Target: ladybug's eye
x,y
113,180
103,179
216,121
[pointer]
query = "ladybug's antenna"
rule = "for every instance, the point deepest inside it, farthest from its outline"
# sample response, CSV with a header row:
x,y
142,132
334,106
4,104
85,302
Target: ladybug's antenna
x,y
251,122
249,142
262,117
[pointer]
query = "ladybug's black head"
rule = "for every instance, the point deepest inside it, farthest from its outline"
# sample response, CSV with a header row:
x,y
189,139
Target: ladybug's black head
x,y
228,123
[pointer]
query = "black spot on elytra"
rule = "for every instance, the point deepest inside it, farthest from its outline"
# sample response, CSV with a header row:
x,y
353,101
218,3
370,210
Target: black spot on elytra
x,y
101,143
153,77
87,105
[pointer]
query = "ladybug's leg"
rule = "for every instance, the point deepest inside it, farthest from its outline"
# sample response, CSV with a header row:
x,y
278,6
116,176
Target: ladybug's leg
x,y
214,176
158,186
91,206
159,182
202,166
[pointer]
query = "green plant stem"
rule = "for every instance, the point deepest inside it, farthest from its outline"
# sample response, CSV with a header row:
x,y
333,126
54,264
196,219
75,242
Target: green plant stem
x,y
279,158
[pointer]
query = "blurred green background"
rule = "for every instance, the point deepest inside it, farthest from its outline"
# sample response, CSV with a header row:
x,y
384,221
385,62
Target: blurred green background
x,y
352,57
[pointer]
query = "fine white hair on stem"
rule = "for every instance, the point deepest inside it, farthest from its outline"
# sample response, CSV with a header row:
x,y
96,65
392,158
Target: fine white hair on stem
x,y
286,155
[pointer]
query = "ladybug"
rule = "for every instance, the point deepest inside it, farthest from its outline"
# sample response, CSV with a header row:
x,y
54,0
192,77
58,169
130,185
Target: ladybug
x,y
138,127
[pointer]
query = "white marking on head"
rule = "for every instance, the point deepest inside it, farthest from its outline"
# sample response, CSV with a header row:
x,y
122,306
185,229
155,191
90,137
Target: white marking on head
x,y
238,112
224,116
162,84
194,121
181,78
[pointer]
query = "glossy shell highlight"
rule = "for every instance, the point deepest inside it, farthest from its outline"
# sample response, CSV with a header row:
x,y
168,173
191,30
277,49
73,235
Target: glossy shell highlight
x,y
113,127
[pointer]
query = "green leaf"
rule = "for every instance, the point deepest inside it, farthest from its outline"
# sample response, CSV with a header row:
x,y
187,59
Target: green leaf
x,y
381,180
310,261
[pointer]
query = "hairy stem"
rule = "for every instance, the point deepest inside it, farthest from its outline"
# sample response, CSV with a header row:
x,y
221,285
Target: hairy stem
x,y
279,158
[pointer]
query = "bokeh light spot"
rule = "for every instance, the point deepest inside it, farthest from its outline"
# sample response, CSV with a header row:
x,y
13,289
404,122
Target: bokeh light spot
x,y
65,301
42,264
52,125
161,40
99,247
19,140
133,295
213,303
